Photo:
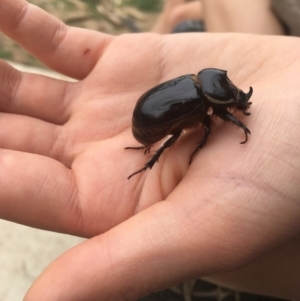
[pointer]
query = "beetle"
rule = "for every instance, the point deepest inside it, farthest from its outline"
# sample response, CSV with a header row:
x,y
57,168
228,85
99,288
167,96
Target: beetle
x,y
184,103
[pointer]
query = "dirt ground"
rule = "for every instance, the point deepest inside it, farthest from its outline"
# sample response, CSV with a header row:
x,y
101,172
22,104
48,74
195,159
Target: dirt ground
x,y
109,16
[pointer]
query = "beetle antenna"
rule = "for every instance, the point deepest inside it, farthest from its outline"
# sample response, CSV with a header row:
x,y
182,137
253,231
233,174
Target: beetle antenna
x,y
249,94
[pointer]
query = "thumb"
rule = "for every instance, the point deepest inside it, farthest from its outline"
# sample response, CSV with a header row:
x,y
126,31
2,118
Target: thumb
x,y
170,242
149,252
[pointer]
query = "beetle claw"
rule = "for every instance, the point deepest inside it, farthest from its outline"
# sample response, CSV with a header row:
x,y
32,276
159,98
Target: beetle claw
x,y
140,170
247,131
147,150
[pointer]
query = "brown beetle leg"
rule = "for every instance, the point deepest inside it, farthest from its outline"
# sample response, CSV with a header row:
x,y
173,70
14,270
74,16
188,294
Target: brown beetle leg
x,y
146,148
156,156
226,116
206,123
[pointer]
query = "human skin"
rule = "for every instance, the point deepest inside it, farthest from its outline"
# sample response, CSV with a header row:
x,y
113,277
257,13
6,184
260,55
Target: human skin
x,y
244,16
64,167
175,12
255,16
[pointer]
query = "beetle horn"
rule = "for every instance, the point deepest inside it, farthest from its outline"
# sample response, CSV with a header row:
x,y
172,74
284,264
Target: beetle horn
x,y
249,94
246,103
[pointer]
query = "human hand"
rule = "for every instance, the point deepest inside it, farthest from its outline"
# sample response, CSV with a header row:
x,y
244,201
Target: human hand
x,y
63,167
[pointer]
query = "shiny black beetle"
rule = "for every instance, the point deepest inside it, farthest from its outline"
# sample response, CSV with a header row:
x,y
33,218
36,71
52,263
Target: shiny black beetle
x,y
183,103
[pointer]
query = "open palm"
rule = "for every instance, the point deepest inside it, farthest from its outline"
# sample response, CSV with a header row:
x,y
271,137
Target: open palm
x,y
64,168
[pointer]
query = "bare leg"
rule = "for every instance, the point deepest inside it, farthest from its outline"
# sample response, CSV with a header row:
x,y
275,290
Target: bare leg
x,y
204,140
174,12
246,16
186,12
156,156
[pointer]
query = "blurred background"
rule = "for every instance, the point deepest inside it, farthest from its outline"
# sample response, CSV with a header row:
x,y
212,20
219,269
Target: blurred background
x,y
109,16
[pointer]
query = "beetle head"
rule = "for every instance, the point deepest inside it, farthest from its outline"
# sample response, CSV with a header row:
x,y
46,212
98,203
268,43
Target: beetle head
x,y
220,91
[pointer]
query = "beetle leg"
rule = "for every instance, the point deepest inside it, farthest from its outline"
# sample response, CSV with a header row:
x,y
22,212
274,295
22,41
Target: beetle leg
x,y
146,148
206,123
226,116
135,147
158,153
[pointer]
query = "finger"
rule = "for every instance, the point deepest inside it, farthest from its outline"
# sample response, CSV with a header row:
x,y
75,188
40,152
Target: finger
x,y
136,257
30,135
37,191
34,95
71,51
169,243
26,134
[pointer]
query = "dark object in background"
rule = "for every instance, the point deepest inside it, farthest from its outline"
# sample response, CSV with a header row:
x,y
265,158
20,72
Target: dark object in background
x,y
288,12
189,26
184,103
200,290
